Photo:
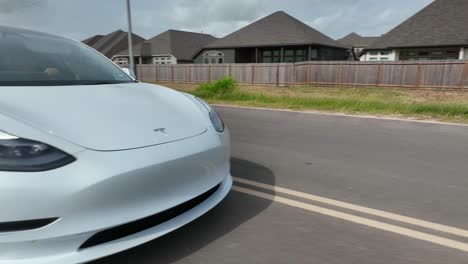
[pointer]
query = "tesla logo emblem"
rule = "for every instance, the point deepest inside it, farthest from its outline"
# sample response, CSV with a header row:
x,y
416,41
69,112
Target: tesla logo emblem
x,y
162,130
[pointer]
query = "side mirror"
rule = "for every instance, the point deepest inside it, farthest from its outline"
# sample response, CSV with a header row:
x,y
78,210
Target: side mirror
x,y
129,72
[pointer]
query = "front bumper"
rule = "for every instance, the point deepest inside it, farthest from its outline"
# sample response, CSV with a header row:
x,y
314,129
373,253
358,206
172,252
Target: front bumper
x,y
103,190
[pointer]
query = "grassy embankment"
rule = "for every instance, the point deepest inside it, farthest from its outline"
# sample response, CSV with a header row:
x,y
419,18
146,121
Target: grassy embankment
x,y
449,106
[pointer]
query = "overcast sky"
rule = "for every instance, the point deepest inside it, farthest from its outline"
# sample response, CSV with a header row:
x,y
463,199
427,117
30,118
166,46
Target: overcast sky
x,y
80,19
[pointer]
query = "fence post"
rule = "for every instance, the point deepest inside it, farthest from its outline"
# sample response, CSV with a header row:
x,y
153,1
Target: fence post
x,y
209,73
190,73
379,74
311,81
253,74
464,76
308,73
137,73
293,76
230,70
172,73
155,73
418,76
340,78
277,74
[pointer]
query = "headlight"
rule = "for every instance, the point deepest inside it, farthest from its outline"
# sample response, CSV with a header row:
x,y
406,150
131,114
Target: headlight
x,y
217,122
19,154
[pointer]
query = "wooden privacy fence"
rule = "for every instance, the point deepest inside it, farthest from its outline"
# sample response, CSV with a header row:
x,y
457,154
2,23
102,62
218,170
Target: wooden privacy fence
x,y
437,74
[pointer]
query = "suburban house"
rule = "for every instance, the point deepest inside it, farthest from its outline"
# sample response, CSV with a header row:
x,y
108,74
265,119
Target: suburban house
x,y
356,44
278,37
170,47
112,43
438,32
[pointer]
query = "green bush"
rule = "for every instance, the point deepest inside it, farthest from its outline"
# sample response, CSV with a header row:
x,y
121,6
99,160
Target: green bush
x,y
224,86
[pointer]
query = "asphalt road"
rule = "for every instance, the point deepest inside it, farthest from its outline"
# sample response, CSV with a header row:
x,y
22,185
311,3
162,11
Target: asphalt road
x,y
410,169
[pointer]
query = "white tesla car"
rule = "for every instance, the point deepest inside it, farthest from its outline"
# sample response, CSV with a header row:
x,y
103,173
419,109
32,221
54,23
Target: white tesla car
x,y
93,162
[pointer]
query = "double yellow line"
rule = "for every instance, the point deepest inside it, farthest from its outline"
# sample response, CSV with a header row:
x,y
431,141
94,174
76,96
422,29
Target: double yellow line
x,y
358,219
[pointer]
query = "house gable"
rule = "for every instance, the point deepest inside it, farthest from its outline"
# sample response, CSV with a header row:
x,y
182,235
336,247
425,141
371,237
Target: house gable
x,y
443,23
277,29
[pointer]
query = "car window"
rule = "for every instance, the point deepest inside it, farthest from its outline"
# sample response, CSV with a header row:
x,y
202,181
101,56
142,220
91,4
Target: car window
x,y
38,59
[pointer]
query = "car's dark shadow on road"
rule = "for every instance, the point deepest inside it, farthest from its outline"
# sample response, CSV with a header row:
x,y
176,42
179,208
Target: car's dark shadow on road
x,y
235,210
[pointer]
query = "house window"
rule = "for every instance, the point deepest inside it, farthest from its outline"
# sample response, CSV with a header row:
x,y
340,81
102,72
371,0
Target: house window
x,y
121,61
213,57
164,60
430,54
270,55
313,53
380,55
295,55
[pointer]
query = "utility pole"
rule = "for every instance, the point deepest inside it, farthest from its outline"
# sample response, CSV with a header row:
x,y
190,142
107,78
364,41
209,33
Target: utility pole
x,y
130,42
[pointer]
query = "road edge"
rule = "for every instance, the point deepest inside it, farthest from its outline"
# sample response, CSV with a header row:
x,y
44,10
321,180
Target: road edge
x,y
343,115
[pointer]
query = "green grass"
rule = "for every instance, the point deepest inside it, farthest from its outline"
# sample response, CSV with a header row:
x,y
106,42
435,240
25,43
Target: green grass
x,y
224,86
341,104
355,101
449,106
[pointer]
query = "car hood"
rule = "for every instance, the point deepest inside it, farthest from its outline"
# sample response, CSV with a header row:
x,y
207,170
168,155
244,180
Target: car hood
x,y
106,117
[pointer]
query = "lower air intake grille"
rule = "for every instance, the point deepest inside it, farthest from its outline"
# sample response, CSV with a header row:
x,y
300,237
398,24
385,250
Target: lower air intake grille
x,y
25,225
131,228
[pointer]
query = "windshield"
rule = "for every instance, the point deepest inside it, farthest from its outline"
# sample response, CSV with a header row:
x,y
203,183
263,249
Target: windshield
x,y
35,59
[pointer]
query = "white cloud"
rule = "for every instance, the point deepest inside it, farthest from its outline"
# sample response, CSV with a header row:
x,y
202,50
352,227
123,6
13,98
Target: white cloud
x,y
216,17
218,29
325,21
386,14
81,19
187,11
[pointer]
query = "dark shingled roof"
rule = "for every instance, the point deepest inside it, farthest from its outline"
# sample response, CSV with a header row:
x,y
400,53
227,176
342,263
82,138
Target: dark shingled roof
x,y
442,23
181,44
90,41
112,43
276,29
356,40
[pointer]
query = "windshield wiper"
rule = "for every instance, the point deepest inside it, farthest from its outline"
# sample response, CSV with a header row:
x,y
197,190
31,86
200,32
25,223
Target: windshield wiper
x,y
106,82
99,83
